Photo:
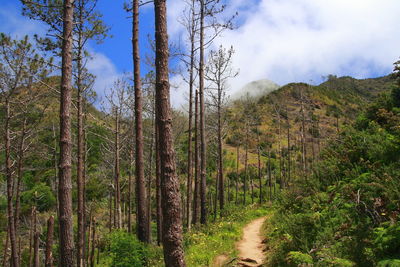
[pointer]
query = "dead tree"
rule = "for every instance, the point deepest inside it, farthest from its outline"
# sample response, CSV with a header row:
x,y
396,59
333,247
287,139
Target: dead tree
x,y
218,71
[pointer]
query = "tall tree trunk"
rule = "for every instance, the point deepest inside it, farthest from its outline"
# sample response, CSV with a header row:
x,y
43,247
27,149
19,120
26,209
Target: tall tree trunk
x,y
9,176
172,223
141,200
303,135
220,159
80,251
237,174
216,197
245,165
150,178
110,212
203,161
197,182
158,187
36,258
117,200
80,177
190,160
21,149
259,166
130,189
289,146
65,183
5,252
269,175
93,242
49,242
31,233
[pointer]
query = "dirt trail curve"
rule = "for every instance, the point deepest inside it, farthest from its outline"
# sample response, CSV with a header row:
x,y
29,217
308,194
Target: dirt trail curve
x,y
250,247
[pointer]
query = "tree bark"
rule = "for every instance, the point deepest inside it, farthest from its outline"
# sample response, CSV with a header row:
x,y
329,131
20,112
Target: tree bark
x,y
93,242
220,152
172,223
9,177
203,163
237,174
197,183
259,166
49,242
65,183
36,258
245,165
80,252
141,200
20,166
158,187
130,189
190,160
117,196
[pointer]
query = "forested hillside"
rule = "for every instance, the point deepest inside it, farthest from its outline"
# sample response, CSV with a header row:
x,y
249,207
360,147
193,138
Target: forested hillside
x,y
345,213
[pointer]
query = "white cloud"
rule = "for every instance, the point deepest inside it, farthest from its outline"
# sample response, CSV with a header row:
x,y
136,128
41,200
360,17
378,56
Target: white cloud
x,y
14,24
302,40
105,71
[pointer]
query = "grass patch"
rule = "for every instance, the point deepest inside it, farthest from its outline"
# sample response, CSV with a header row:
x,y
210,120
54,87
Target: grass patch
x,y
204,243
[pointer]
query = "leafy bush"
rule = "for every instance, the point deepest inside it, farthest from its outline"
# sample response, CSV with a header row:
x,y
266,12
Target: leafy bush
x,y
127,251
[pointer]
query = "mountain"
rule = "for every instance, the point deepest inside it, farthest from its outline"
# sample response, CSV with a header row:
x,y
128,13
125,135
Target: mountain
x,y
328,107
256,89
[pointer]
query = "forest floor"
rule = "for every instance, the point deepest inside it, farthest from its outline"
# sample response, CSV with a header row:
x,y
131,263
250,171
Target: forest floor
x,y
250,247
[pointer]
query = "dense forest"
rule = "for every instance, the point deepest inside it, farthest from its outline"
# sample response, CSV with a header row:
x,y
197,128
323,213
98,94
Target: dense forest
x,y
128,180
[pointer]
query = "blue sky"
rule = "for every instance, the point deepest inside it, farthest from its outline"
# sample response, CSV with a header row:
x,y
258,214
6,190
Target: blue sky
x,y
280,40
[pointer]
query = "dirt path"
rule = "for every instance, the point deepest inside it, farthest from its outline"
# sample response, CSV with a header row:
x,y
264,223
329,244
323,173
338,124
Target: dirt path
x,y
251,247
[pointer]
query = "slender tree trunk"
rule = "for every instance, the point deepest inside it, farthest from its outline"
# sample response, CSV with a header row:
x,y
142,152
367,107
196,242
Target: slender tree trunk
x,y
31,233
237,174
80,251
9,176
245,166
36,258
149,179
93,242
117,200
216,197
130,190
203,187
190,160
289,146
141,199
5,252
303,136
65,183
20,167
110,212
220,152
49,242
259,166
80,177
172,223
197,183
269,175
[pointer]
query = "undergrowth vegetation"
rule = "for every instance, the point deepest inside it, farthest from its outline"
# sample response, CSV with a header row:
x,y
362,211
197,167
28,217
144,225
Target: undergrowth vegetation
x,y
346,213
